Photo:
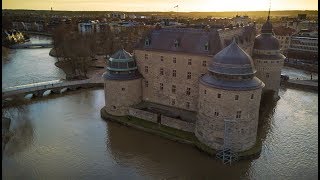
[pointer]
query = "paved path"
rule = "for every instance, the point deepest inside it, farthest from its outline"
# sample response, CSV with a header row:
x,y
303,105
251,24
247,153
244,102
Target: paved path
x,y
24,46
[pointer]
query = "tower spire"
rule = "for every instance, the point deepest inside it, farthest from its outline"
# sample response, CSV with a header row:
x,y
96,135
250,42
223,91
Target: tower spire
x,y
269,10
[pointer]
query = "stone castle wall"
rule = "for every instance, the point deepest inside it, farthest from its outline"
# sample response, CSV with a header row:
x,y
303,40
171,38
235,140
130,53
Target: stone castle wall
x,y
210,126
269,72
177,123
145,115
119,95
179,98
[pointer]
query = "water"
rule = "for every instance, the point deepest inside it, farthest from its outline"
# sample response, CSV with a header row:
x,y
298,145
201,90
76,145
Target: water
x,y
64,137
297,73
26,66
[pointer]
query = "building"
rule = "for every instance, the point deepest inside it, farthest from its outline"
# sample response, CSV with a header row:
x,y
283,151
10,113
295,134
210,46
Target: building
x,y
188,80
268,59
283,34
240,20
304,47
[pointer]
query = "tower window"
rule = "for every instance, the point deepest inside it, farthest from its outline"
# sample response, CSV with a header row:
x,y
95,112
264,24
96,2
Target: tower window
x,y
174,73
174,60
161,58
204,63
114,107
252,96
189,75
176,43
146,69
238,114
123,89
173,89
189,61
216,113
161,86
188,105
146,83
219,95
206,47
146,56
147,42
188,91
267,75
173,102
236,97
161,71
205,91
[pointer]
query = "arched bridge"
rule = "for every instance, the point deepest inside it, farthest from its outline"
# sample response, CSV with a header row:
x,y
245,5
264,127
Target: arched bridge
x,y
38,89
25,46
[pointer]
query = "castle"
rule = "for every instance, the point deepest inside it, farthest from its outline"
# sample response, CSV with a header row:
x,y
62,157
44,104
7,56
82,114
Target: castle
x,y
199,81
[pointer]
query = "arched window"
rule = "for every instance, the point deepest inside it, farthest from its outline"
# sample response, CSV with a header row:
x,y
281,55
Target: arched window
x,y
147,42
206,47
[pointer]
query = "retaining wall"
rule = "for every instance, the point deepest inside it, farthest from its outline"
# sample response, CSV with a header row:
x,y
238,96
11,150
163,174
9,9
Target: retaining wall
x,y
176,123
148,116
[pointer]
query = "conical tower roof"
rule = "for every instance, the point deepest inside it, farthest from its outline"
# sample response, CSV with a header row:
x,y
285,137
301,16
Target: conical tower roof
x,y
232,60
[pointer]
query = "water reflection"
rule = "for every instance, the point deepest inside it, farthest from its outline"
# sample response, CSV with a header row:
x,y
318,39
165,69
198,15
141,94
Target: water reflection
x,y
159,158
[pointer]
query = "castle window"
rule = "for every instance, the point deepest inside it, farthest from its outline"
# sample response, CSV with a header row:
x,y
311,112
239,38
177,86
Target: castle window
x,y
161,58
189,61
206,47
123,89
238,114
146,56
174,73
236,97
114,107
176,43
219,95
146,83
147,42
216,113
161,86
173,89
187,105
204,63
173,102
265,62
267,75
161,71
205,91
189,75
174,60
146,69
252,96
188,91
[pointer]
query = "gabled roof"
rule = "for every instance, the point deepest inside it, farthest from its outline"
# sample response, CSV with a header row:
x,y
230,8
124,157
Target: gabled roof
x,y
190,40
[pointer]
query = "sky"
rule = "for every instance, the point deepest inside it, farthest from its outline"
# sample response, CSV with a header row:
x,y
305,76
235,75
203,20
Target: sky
x,y
161,5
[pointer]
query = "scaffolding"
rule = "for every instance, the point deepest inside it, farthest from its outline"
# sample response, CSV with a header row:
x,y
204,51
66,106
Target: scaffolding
x,y
226,154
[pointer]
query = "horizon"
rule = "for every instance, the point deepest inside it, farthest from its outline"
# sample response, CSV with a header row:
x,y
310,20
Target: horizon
x,y
161,6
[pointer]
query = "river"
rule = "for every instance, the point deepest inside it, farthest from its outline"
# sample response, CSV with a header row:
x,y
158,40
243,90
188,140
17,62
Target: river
x,y
64,137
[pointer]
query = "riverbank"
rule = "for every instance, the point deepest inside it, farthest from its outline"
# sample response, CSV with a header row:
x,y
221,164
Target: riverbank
x,y
175,134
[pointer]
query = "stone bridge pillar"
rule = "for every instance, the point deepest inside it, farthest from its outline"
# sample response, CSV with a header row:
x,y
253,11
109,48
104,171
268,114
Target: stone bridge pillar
x,y
38,93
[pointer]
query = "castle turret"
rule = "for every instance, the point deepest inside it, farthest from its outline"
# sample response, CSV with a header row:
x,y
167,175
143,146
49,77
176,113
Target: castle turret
x,y
229,94
267,59
122,83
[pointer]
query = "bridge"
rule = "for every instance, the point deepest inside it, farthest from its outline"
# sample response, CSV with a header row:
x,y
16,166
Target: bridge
x,y
56,86
25,46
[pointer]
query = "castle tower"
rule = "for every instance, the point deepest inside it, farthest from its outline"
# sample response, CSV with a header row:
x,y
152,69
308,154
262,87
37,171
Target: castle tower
x,y
122,83
268,60
229,92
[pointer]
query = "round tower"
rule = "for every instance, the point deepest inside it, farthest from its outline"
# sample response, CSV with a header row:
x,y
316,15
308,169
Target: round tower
x,y
268,60
122,83
229,100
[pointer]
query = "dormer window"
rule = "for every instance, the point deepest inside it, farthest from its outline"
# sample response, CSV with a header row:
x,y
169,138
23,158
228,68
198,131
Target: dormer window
x,y
147,42
206,47
176,43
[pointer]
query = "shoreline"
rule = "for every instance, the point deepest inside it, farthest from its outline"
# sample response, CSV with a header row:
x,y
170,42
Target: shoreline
x,y
176,135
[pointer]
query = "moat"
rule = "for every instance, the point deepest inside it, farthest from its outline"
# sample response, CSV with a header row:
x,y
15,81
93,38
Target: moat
x,y
64,136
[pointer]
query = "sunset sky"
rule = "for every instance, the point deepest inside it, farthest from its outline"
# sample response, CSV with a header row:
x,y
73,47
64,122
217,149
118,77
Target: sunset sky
x,y
161,5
